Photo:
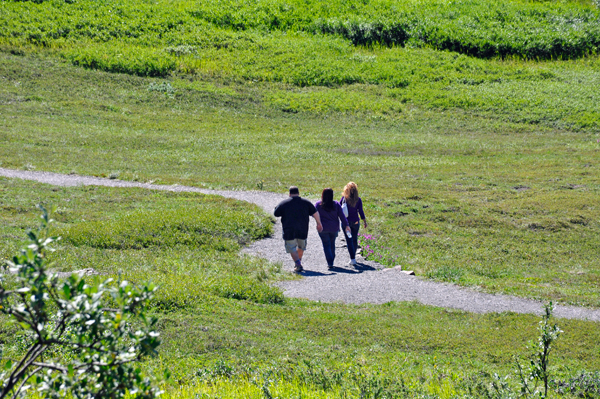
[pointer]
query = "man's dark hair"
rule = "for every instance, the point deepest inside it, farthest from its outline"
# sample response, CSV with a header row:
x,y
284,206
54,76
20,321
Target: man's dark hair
x,y
294,190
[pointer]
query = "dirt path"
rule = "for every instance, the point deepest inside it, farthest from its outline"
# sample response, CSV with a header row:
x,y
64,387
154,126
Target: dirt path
x,y
367,283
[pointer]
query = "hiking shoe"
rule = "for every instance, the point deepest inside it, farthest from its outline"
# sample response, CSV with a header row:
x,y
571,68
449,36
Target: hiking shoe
x,y
330,267
352,262
298,269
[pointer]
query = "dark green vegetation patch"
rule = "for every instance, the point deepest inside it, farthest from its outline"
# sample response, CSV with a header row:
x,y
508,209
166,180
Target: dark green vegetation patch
x,y
478,28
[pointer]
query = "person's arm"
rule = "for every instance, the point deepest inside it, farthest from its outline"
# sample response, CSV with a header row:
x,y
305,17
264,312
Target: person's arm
x,y
318,219
280,209
359,207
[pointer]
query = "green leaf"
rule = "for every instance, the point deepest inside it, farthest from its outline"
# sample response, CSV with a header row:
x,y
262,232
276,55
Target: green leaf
x,y
67,291
25,326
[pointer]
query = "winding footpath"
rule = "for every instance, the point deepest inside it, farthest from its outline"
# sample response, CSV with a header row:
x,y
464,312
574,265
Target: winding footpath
x,y
365,283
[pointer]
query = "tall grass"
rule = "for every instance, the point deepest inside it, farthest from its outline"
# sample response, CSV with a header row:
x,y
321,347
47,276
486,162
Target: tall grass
x,y
345,46
480,28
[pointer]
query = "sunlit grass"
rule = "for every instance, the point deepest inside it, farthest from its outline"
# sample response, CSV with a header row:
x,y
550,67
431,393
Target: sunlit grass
x,y
504,206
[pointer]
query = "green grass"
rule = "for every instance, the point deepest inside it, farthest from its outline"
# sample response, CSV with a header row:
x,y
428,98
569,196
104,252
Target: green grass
x,y
184,242
185,224
480,28
215,340
280,42
472,129
457,196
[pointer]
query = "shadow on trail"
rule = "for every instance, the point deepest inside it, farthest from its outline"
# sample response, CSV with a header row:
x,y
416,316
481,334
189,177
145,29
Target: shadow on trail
x,y
333,271
361,267
310,273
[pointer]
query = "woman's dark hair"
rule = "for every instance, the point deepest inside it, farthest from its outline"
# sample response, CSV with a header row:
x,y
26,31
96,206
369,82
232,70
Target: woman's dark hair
x,y
327,199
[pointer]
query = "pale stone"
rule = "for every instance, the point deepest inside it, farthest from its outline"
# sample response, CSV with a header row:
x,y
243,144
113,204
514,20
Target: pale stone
x,y
396,268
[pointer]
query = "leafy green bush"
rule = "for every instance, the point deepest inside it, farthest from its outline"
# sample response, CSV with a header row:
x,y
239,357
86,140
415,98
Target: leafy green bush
x,y
537,371
163,87
214,227
93,322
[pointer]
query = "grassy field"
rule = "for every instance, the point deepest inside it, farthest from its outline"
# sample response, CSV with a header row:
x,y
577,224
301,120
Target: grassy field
x,y
226,332
472,129
505,206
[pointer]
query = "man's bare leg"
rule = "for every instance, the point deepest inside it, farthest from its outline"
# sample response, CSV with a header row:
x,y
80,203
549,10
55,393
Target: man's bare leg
x,y
300,253
296,258
296,255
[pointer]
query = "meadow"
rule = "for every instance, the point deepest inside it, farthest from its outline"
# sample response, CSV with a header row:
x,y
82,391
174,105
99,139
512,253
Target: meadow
x,y
472,129
312,45
227,333
507,207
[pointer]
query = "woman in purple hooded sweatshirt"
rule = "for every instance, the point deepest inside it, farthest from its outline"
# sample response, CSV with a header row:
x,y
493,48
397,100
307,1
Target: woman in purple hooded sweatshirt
x,y
331,215
355,208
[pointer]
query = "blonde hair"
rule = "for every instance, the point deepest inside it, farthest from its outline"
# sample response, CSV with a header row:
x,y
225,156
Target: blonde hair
x,y
351,193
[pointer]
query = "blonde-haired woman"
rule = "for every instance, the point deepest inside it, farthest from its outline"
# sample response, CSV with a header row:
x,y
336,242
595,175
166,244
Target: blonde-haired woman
x,y
355,208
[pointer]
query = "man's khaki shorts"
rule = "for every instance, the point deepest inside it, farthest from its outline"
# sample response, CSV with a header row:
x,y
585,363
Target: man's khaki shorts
x,y
291,245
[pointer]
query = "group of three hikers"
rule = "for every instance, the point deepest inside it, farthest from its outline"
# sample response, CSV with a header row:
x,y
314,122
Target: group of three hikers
x,y
295,212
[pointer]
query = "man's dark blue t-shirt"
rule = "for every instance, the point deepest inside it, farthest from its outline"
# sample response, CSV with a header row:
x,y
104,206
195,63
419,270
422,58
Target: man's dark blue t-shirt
x,y
295,213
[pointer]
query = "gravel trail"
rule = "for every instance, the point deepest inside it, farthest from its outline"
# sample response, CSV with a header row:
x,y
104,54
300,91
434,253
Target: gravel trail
x,y
365,283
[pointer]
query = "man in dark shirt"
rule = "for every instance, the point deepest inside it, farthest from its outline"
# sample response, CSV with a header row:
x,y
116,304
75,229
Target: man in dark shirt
x,y
294,213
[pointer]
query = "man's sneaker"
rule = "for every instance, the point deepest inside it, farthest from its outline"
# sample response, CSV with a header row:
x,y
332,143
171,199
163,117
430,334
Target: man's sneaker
x,y
298,269
330,267
352,262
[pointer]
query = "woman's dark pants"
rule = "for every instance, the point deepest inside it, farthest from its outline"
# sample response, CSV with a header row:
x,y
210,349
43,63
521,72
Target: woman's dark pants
x,y
328,240
353,242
